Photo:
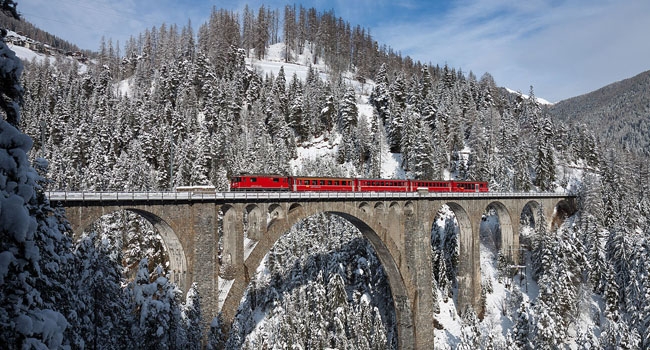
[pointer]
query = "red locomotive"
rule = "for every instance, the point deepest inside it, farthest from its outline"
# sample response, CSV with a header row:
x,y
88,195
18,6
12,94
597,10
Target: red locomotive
x,y
335,184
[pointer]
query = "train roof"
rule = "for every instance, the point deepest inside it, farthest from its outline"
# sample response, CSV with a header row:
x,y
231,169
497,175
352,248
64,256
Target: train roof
x,y
257,175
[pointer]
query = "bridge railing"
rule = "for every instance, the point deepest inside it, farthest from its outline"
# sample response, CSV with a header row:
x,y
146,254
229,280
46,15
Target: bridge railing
x,y
84,196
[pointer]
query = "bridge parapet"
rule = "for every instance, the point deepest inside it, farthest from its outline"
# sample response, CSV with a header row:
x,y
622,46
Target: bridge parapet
x,y
85,196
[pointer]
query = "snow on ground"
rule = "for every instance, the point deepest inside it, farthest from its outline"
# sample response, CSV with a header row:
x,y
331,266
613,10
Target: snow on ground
x,y
539,100
29,55
274,60
123,87
224,289
26,54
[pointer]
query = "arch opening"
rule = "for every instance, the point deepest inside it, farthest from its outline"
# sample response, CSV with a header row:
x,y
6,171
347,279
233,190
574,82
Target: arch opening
x,y
143,234
227,245
253,222
331,235
530,218
276,212
497,231
456,257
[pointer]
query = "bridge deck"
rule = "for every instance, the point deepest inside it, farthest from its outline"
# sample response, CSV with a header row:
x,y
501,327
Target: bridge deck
x,y
86,197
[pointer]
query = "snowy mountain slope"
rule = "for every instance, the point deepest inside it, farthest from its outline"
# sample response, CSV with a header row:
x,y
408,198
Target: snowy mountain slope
x,y
324,148
26,54
320,147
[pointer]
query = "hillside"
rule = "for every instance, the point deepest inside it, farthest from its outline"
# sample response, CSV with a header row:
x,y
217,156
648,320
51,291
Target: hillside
x,y
182,109
619,113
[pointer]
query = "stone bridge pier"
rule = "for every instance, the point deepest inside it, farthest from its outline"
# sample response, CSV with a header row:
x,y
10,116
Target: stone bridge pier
x,y
397,227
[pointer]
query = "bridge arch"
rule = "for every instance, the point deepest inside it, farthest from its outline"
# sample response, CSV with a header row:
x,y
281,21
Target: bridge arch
x,y
506,240
178,265
468,270
357,215
175,251
254,221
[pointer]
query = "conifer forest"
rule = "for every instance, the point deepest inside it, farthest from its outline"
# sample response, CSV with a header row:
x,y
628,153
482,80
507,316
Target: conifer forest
x,y
178,107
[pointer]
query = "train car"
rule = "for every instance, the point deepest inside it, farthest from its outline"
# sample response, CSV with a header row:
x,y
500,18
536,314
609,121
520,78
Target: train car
x,y
469,186
383,185
259,183
246,182
322,184
430,185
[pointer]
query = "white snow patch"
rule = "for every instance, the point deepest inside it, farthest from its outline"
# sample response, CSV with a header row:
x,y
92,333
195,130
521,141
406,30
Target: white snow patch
x,y
224,289
123,87
249,245
539,100
274,60
29,55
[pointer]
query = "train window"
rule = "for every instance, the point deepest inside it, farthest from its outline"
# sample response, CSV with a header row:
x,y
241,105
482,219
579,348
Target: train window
x,y
237,179
329,182
253,179
322,182
336,182
275,179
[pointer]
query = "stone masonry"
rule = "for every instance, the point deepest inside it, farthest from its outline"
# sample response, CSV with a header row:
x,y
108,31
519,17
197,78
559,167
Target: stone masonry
x,y
399,230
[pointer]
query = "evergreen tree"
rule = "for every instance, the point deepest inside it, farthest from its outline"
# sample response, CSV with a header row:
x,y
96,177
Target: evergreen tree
x,y
11,92
521,328
35,250
192,320
545,166
348,112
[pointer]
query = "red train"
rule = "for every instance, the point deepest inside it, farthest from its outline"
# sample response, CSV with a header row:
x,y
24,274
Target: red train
x,y
339,184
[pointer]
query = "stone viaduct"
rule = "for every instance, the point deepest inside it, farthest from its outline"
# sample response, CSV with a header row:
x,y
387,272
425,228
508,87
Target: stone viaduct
x,y
247,225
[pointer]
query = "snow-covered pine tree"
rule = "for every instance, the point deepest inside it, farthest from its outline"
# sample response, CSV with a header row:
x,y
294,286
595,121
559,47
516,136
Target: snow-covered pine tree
x,y
545,165
422,153
192,322
103,316
35,251
156,309
521,329
470,334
